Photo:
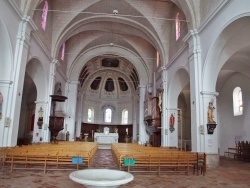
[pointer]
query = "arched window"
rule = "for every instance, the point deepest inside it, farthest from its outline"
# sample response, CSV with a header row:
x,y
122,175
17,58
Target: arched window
x,y
109,85
237,101
157,59
177,26
108,115
90,115
44,14
125,116
63,51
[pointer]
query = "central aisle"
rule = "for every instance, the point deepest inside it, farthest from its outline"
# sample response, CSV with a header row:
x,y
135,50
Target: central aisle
x,y
104,159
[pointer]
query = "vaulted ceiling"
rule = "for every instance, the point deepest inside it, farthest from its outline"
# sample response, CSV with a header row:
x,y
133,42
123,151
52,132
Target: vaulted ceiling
x,y
131,31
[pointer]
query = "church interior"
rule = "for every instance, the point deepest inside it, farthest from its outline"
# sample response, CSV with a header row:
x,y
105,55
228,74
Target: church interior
x,y
162,74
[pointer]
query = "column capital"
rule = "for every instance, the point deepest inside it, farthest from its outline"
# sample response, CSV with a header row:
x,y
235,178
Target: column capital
x,y
209,93
192,33
41,102
29,20
6,82
73,82
54,61
142,86
162,69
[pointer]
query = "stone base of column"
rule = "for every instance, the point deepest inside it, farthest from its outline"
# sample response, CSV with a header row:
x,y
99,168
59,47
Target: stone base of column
x,y
213,160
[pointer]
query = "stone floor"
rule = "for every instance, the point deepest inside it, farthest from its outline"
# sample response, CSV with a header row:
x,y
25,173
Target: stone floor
x,y
230,174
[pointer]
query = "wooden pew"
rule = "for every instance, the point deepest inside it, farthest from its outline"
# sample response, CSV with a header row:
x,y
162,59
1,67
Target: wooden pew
x,y
51,157
157,160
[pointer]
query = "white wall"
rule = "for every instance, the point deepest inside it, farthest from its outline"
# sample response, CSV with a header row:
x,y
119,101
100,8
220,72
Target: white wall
x,y
232,126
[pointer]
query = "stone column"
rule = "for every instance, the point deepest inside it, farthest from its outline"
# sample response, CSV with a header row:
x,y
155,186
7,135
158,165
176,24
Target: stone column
x,y
194,59
79,115
51,87
135,99
210,141
142,128
164,112
70,118
19,64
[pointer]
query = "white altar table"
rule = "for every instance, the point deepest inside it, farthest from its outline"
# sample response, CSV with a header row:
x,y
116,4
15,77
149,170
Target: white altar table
x,y
103,138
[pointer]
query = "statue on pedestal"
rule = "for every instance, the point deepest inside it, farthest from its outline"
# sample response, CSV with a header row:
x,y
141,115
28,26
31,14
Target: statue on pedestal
x,y
211,124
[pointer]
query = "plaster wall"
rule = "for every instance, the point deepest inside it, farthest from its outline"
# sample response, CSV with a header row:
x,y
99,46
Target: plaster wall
x,y
207,7
8,39
28,97
7,13
18,3
44,36
211,30
41,57
230,126
99,114
175,45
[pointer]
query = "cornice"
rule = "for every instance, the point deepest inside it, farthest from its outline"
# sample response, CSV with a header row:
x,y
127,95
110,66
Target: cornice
x,y
209,93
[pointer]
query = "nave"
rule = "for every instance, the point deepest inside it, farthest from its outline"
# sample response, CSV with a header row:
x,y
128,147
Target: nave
x,y
230,174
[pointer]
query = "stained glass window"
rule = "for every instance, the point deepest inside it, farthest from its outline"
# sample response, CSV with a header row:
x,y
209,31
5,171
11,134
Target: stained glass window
x,y
63,51
157,59
177,26
44,14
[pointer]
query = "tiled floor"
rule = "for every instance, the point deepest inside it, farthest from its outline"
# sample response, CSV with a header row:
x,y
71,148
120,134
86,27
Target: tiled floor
x,y
230,174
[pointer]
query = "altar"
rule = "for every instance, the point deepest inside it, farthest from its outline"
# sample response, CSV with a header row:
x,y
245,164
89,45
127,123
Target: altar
x,y
106,138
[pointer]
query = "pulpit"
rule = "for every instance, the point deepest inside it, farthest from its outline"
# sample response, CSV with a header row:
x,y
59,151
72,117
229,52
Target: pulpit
x,y
152,118
55,126
56,123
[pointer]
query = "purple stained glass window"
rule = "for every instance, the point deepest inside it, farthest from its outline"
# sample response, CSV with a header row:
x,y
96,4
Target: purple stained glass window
x,y
44,14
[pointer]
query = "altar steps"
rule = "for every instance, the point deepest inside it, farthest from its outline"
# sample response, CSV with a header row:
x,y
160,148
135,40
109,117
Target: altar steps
x,y
104,146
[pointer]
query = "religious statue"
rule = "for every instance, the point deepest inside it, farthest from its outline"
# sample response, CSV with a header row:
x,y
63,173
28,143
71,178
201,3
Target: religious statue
x,y
171,123
210,113
160,100
40,114
40,118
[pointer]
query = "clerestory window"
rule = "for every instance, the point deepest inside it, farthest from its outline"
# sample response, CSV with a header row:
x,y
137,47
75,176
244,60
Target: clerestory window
x,y
44,14
177,26
237,101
